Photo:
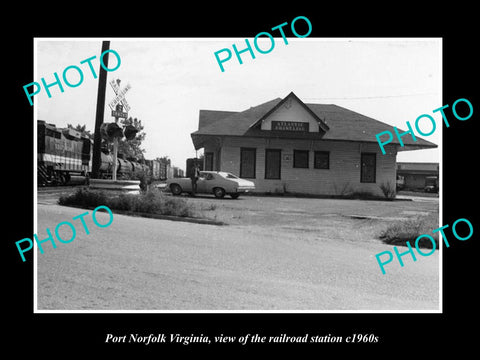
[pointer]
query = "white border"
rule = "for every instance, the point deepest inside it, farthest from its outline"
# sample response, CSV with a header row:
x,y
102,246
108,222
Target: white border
x,y
35,217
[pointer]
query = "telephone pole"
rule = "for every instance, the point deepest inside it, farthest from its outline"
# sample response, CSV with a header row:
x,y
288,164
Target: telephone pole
x,y
97,138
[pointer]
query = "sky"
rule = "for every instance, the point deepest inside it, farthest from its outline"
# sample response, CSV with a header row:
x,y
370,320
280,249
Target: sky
x,y
390,80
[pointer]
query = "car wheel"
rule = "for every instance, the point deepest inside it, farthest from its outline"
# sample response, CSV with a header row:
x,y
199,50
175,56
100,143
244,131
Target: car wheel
x,y
176,189
235,195
219,192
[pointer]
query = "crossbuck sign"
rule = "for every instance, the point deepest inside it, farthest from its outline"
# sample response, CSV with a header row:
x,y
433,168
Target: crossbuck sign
x,y
120,96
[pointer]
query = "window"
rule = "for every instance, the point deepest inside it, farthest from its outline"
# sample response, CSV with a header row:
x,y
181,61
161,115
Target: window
x,y
321,160
209,161
300,159
247,162
368,167
53,133
272,163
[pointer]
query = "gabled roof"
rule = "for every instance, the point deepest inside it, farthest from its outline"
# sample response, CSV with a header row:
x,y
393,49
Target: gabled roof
x,y
321,124
337,122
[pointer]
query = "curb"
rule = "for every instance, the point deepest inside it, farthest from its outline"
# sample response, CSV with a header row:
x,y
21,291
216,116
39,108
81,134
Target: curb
x,y
156,216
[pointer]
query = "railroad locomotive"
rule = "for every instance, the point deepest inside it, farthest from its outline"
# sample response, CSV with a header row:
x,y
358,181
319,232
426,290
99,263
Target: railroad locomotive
x,y
64,156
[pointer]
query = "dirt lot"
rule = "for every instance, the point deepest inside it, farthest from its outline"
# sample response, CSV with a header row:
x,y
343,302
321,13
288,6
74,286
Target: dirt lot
x,y
348,220
277,253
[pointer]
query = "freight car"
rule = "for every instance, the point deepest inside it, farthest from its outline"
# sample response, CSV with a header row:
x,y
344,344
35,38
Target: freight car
x,y
154,167
125,168
65,157
159,169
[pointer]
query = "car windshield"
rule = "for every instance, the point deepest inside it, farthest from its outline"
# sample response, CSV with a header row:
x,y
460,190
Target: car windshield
x,y
230,176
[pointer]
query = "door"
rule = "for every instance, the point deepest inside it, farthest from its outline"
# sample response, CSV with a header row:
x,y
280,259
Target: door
x,y
208,161
273,159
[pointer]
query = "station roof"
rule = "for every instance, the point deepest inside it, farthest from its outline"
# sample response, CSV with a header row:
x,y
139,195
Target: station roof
x,y
337,124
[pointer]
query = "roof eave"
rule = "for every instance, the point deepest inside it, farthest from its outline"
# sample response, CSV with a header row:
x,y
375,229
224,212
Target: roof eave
x,y
411,147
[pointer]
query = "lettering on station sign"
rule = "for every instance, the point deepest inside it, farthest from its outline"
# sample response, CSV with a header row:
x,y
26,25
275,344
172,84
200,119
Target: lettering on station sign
x,y
290,126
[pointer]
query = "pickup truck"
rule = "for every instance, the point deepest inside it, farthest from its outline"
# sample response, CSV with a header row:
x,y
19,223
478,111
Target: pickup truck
x,y
217,183
431,184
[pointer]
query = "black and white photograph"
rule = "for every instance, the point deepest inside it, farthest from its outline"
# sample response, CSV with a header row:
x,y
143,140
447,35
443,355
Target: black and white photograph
x,y
249,186
225,179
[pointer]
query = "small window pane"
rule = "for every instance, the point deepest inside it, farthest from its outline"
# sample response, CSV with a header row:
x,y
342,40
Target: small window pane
x,y
322,160
300,159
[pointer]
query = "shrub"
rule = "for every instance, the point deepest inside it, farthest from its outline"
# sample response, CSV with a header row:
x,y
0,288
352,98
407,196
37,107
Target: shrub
x,y
388,190
408,230
84,197
151,202
343,189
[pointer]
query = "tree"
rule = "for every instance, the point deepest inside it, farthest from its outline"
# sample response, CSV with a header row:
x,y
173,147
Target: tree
x,y
82,129
164,159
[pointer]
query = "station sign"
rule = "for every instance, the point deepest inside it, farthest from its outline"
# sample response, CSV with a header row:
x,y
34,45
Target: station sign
x,y
290,126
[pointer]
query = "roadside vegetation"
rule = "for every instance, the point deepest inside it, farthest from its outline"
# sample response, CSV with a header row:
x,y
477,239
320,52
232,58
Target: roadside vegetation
x,y
148,202
400,232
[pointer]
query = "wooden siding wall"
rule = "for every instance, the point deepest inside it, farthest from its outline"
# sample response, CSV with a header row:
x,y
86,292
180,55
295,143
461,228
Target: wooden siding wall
x,y
342,177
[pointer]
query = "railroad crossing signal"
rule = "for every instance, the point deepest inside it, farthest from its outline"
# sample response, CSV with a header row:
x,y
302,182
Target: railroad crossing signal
x,y
130,132
117,105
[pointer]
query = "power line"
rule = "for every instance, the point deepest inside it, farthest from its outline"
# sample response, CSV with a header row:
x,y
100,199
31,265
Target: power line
x,y
370,97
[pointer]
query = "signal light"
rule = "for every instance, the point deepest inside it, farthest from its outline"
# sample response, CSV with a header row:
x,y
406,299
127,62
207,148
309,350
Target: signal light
x,y
109,131
130,132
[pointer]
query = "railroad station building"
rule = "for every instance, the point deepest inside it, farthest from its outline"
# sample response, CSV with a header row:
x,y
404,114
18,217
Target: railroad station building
x,y
288,146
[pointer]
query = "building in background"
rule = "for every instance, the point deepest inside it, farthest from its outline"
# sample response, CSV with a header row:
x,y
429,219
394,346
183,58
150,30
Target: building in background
x,y
177,172
416,176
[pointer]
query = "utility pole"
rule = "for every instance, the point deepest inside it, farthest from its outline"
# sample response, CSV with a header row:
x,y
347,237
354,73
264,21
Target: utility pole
x,y
97,138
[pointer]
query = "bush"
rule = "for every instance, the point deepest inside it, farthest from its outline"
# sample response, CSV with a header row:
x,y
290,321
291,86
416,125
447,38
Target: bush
x,y
84,197
408,230
388,190
151,202
342,190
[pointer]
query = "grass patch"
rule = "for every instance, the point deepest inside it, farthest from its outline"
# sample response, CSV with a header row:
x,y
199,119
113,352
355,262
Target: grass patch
x,y
150,202
408,230
362,195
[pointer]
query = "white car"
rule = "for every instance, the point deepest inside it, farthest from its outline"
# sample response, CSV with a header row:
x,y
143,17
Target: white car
x,y
218,183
